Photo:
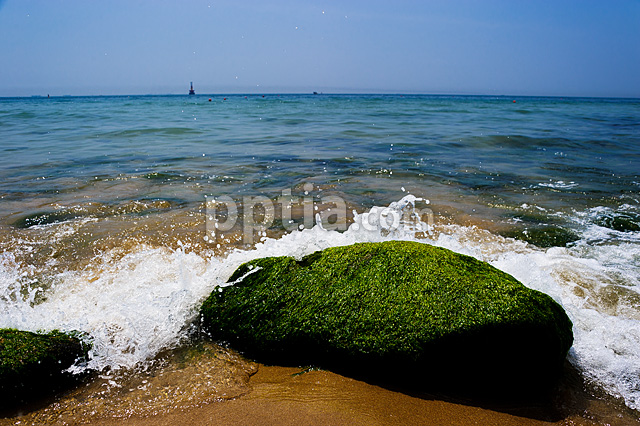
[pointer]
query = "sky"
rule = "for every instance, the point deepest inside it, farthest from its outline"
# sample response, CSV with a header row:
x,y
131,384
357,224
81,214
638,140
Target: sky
x,y
488,47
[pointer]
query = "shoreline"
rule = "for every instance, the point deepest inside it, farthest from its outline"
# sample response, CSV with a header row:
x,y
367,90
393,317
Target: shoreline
x,y
281,396
206,384
104,227
285,396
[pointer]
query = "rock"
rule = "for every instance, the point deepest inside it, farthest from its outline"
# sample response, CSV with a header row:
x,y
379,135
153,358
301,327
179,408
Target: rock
x,y
45,218
622,222
544,236
32,365
401,311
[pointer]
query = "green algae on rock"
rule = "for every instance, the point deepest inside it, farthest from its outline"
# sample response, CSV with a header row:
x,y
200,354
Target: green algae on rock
x,y
403,311
32,364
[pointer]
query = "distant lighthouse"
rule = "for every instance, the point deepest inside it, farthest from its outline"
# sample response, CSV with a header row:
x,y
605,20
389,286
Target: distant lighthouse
x,y
191,91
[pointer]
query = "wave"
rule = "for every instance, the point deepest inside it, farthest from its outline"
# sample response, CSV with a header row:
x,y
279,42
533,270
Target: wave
x,y
160,131
96,210
138,304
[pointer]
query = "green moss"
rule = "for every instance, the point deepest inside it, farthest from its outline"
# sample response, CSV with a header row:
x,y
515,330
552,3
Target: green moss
x,y
399,308
33,364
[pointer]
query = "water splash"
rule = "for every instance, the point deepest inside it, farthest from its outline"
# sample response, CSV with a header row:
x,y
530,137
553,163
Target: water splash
x,y
136,305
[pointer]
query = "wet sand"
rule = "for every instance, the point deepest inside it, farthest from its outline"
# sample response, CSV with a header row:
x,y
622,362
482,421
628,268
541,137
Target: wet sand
x,y
246,393
209,384
287,396
240,392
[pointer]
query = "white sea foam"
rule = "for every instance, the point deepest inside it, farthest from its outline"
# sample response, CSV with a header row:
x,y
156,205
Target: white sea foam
x,y
559,184
140,304
132,309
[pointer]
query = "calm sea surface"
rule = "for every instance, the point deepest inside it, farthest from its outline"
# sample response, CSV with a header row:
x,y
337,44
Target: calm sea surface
x,y
104,223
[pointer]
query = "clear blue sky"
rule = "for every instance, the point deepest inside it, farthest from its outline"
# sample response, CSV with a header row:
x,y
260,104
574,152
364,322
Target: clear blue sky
x,y
511,47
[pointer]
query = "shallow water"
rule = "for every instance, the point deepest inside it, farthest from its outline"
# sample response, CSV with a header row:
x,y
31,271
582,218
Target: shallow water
x,y
105,228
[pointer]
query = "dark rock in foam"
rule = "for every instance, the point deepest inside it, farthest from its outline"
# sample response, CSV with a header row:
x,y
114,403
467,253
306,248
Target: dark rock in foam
x,y
400,311
544,236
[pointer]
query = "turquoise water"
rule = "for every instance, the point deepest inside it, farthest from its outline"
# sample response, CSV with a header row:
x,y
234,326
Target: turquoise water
x,y
478,146
103,224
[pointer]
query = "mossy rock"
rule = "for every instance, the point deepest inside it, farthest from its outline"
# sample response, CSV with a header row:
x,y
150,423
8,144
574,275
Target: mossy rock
x,y
623,222
400,311
32,365
544,236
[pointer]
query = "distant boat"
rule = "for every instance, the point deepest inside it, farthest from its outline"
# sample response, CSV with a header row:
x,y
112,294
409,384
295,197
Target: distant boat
x,y
191,91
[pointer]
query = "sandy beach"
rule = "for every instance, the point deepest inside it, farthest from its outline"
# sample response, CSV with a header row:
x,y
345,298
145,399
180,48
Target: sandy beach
x,y
212,385
281,396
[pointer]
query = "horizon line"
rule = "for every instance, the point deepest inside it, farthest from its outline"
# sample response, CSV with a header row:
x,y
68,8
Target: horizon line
x,y
332,93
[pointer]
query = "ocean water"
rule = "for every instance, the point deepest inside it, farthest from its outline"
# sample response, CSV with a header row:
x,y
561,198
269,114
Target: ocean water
x,y
112,208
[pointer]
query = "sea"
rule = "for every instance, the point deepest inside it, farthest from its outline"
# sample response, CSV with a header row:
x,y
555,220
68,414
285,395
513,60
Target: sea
x,y
119,215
